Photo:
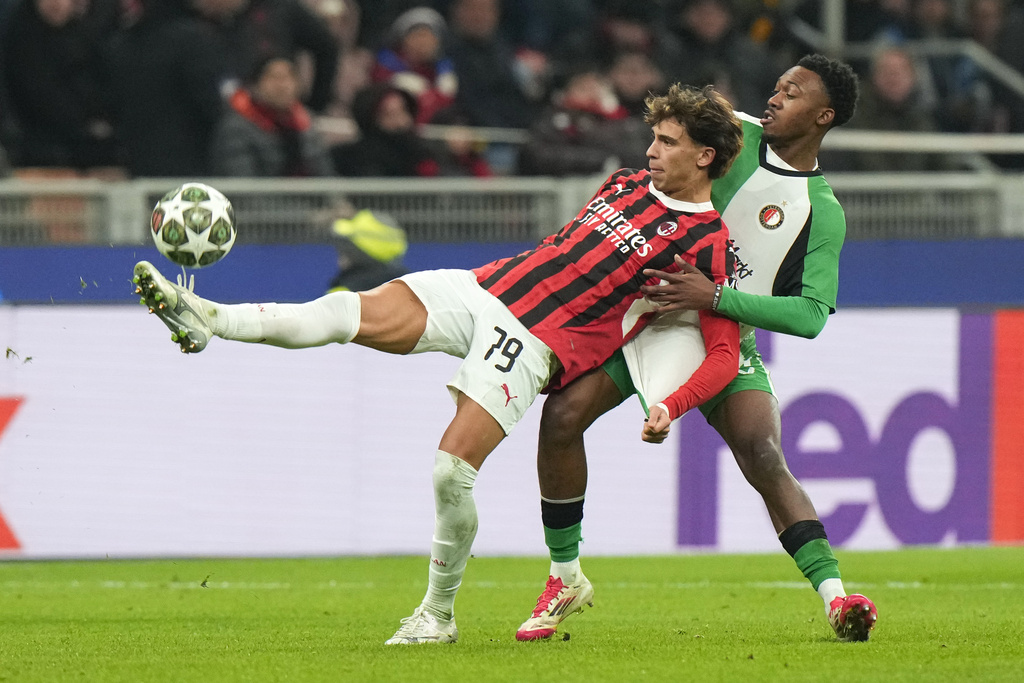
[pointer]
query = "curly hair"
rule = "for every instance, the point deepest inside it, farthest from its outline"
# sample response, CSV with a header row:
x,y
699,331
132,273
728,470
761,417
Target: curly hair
x,y
707,117
840,84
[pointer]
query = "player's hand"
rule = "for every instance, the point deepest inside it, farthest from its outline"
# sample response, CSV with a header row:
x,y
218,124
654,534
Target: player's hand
x,y
689,289
656,427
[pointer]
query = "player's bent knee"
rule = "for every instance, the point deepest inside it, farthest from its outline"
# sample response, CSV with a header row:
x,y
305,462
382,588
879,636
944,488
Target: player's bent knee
x,y
570,411
563,419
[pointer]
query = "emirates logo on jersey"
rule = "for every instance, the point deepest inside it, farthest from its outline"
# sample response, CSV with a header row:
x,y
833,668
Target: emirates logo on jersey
x,y
667,229
610,222
771,217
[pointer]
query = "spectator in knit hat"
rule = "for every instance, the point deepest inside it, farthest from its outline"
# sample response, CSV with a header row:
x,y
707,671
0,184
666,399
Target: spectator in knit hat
x,y
413,60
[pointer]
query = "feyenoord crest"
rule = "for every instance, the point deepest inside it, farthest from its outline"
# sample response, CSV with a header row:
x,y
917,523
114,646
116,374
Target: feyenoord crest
x,y
771,217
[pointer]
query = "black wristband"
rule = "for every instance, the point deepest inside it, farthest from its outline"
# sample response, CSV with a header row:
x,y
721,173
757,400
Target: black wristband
x,y
717,299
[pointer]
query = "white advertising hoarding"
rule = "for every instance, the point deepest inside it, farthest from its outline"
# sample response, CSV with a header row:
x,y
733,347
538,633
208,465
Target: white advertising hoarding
x,y
116,444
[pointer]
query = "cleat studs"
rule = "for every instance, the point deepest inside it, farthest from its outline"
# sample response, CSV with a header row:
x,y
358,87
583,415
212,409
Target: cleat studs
x,y
158,296
174,337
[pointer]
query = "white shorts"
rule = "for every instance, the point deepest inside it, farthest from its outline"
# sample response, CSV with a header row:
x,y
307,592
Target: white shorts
x,y
664,354
505,365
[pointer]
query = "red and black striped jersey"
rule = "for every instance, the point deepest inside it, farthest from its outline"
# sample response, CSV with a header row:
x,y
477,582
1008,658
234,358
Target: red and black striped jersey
x,y
578,291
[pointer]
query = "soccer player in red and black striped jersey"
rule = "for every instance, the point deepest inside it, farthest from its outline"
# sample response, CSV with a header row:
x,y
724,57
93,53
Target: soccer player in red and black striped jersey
x,y
522,324
551,289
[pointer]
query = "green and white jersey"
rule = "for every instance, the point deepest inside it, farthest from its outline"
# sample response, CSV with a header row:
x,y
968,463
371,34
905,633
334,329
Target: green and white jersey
x,y
786,225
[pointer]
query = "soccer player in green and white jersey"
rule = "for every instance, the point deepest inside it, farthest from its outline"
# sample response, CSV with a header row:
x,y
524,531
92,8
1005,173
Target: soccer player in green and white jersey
x,y
787,229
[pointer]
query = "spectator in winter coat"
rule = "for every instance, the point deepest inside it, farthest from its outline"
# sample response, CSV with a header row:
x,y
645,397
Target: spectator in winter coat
x,y
892,101
489,92
267,132
168,99
715,51
250,31
585,131
56,84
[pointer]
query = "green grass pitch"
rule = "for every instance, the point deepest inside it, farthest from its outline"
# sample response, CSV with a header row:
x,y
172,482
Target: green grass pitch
x,y
944,615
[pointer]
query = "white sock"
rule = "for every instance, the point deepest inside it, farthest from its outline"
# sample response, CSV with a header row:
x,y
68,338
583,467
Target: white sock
x,y
455,524
829,590
568,572
333,318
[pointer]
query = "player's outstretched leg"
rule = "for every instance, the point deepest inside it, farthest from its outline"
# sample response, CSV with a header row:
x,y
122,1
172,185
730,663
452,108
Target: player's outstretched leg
x,y
176,305
852,617
557,602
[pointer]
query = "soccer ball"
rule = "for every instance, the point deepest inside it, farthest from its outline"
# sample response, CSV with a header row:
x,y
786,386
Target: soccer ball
x,y
193,225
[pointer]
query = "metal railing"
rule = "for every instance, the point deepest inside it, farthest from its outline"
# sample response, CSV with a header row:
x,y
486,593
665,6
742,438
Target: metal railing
x,y
878,206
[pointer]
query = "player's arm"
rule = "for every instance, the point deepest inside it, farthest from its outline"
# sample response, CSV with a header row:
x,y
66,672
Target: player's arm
x,y
690,289
797,315
719,367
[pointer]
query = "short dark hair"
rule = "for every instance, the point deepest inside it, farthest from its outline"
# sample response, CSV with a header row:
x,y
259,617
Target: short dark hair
x,y
840,84
707,117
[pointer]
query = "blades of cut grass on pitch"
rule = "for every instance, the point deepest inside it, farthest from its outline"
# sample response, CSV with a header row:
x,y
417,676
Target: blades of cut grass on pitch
x,y
944,615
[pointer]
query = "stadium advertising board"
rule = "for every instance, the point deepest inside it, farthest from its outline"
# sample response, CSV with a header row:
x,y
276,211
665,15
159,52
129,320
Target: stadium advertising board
x,y
904,427
902,424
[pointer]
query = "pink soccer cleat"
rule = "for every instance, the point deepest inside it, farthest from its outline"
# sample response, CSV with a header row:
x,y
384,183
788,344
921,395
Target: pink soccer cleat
x,y
555,604
852,617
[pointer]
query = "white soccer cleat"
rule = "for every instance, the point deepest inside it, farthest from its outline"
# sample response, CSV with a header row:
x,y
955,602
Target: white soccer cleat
x,y
176,305
555,604
423,627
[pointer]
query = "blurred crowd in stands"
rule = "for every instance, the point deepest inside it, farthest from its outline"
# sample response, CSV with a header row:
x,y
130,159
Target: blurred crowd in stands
x,y
474,88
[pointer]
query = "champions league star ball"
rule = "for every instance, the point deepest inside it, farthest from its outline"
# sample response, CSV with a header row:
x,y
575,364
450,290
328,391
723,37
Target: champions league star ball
x,y
193,225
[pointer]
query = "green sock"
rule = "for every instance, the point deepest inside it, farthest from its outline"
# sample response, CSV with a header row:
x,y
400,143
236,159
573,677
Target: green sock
x,y
816,561
564,544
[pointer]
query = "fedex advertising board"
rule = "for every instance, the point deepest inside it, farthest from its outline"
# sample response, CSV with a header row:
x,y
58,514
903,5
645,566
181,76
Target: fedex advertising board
x,y
903,425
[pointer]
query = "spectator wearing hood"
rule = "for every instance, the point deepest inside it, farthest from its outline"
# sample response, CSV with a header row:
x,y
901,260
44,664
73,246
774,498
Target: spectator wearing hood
x,y
389,145
413,60
267,132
